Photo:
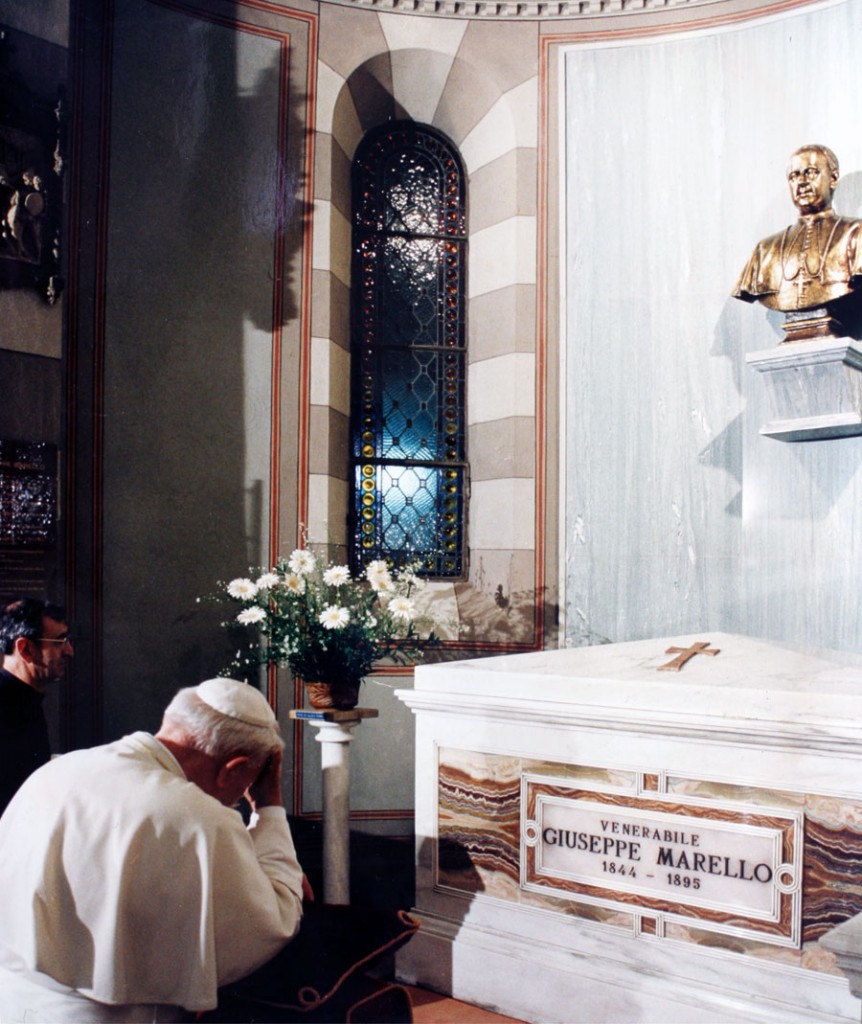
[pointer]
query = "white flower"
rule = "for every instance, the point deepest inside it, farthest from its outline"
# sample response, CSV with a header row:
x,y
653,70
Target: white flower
x,y
377,574
402,608
381,582
267,581
370,621
295,583
242,588
336,575
410,580
248,616
334,617
302,562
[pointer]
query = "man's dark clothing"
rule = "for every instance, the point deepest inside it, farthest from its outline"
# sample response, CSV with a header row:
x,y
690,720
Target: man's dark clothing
x,y
24,744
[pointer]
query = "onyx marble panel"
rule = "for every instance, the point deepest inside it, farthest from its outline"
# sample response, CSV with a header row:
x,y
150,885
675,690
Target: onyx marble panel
x,y
478,850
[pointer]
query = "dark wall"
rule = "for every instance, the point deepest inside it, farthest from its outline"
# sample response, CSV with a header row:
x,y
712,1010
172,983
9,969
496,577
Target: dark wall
x,y
32,402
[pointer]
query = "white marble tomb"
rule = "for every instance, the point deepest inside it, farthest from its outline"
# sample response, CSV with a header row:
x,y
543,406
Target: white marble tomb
x,y
598,840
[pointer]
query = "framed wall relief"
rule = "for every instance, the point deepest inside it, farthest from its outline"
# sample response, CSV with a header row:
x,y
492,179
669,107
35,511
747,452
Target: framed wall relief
x,y
32,162
28,517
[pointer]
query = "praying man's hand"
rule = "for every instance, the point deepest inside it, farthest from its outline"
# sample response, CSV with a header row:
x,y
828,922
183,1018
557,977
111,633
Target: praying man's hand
x,y
265,791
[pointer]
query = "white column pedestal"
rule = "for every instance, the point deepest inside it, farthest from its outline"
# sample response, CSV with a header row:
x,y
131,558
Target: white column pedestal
x,y
334,734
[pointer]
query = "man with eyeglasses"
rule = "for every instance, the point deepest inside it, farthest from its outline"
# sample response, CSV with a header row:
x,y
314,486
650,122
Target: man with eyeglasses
x,y
36,648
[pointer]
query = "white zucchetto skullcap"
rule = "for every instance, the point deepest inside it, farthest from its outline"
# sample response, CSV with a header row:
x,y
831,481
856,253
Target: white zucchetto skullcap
x,y
236,700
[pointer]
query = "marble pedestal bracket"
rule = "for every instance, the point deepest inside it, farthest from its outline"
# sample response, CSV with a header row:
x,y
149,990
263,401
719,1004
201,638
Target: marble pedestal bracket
x,y
334,735
815,388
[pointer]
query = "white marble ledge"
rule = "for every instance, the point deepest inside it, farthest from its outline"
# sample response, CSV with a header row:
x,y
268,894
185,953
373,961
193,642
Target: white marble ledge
x,y
817,352
753,685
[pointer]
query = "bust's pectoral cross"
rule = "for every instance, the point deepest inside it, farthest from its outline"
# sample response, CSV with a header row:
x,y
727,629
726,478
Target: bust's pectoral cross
x,y
684,653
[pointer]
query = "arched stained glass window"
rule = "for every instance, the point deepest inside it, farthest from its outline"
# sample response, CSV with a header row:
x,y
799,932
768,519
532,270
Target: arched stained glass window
x,y
408,343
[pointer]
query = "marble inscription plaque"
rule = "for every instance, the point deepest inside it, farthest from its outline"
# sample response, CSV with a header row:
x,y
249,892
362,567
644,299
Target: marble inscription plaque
x,y
736,869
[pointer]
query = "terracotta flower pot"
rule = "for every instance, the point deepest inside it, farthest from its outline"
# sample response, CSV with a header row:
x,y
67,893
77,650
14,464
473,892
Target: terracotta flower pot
x,y
332,696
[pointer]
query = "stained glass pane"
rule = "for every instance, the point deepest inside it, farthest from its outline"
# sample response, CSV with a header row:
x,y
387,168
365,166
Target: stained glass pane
x,y
409,254
407,512
410,291
412,405
408,179
411,189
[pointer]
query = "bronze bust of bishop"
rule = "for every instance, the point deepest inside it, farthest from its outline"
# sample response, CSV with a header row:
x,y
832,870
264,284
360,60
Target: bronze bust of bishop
x,y
811,265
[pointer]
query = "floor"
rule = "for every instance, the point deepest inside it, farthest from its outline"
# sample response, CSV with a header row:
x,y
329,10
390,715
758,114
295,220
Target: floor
x,y
382,875
431,1008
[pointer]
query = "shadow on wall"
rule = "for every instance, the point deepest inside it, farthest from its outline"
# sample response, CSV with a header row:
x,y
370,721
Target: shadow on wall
x,y
822,470
204,236
506,618
447,864
264,289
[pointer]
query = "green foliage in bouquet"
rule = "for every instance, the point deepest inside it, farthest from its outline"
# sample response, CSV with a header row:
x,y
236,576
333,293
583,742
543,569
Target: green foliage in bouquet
x,y
326,624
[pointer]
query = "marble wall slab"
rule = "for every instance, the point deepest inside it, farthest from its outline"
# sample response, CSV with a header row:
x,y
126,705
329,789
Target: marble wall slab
x,y
679,514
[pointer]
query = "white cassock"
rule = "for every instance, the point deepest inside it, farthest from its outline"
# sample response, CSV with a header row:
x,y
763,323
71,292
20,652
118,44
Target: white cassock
x,y
125,884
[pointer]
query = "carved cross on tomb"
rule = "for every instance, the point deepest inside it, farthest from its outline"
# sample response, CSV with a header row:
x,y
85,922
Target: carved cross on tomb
x,y
684,653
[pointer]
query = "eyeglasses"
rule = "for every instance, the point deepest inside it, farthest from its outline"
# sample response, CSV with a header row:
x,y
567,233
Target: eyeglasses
x,y
66,639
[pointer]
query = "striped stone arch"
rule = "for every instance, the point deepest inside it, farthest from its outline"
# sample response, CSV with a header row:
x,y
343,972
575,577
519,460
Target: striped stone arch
x,y
480,90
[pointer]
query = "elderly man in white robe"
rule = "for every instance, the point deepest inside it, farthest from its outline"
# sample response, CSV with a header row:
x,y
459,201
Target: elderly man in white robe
x,y
131,887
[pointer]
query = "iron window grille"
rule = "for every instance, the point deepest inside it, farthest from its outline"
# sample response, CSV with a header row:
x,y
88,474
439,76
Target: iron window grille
x,y
409,468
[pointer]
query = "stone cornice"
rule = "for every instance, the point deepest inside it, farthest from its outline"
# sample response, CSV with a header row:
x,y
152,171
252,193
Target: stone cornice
x,y
576,10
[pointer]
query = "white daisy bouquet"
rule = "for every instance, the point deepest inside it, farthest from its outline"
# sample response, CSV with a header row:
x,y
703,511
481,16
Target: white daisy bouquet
x,y
326,624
